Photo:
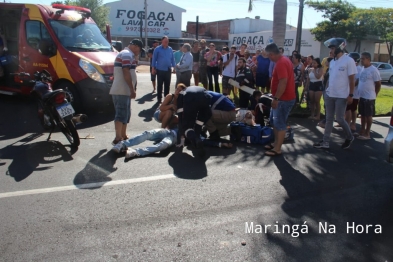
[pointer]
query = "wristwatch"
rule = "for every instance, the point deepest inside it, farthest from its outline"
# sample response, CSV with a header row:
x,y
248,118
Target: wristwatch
x,y
275,98
350,95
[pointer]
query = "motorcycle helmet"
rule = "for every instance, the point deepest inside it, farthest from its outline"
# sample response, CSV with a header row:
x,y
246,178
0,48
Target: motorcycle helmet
x,y
338,43
355,56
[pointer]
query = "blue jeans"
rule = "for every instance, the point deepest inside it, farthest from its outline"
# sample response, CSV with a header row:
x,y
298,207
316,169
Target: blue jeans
x,y
165,138
156,115
335,106
279,116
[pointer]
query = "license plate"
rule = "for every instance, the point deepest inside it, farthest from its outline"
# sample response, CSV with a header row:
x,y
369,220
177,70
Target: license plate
x,y
65,110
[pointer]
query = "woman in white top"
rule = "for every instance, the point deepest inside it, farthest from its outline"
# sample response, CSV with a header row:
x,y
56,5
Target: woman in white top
x,y
315,87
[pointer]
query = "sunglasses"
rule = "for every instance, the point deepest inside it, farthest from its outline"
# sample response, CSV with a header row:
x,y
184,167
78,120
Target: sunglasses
x,y
212,45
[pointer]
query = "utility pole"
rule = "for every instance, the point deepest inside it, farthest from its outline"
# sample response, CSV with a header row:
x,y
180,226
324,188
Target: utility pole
x,y
146,43
299,26
197,27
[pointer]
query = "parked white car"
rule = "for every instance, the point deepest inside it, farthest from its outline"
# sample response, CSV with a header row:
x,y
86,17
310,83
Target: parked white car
x,y
385,70
389,140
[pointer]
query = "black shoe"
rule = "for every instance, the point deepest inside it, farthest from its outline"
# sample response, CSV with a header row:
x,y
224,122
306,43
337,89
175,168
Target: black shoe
x,y
347,143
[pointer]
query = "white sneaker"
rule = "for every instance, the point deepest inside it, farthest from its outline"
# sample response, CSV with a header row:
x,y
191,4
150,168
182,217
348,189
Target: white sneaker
x,y
131,153
119,147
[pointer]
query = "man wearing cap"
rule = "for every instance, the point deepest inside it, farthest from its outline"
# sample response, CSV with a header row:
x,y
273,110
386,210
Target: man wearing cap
x,y
123,89
150,55
163,61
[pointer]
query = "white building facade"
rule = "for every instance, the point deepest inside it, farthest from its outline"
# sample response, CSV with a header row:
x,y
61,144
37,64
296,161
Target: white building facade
x,y
163,18
309,46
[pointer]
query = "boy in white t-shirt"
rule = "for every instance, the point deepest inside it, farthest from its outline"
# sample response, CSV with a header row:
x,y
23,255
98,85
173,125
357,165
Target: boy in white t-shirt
x,y
230,62
339,92
369,87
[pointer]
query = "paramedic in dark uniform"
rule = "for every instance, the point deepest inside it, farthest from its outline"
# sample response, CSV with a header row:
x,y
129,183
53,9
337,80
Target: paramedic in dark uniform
x,y
223,113
244,77
193,108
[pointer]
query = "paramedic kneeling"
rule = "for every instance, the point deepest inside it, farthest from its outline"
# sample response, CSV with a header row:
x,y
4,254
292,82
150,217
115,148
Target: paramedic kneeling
x,y
223,113
283,90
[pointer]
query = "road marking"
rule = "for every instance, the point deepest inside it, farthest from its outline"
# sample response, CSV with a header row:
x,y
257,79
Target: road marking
x,y
85,186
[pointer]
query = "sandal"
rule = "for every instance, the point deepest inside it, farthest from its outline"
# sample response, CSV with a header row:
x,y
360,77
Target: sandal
x,y
272,153
269,147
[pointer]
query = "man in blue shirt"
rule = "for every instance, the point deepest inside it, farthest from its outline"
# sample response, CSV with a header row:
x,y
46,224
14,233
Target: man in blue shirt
x,y
262,76
163,61
223,113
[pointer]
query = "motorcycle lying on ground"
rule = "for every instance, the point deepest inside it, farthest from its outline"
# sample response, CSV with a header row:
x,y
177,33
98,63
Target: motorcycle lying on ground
x,y
54,106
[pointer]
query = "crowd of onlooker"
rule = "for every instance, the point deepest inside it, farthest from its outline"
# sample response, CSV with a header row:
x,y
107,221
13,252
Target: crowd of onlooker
x,y
346,82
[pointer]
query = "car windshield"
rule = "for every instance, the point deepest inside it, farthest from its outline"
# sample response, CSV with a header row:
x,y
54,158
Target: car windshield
x,y
80,36
375,64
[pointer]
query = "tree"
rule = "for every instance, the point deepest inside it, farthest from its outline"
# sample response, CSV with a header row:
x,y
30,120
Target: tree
x,y
100,13
382,25
279,20
354,24
358,26
337,14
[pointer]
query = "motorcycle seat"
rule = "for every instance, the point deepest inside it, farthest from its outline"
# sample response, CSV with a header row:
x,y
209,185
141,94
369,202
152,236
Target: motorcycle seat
x,y
52,94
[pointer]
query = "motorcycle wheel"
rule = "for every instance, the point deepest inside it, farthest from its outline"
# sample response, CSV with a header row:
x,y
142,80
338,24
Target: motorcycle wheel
x,y
67,127
71,89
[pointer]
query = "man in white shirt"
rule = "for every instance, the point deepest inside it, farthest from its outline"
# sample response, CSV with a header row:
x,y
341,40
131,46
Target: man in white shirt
x,y
369,87
230,62
339,93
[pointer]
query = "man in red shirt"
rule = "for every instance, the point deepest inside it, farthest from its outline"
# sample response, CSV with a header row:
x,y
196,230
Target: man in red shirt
x,y
283,90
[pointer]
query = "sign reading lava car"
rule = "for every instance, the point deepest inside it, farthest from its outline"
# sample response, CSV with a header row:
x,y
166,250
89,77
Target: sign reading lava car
x,y
259,40
162,18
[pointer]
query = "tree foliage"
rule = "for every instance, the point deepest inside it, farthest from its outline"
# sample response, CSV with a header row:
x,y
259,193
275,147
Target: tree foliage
x,y
355,24
337,14
99,12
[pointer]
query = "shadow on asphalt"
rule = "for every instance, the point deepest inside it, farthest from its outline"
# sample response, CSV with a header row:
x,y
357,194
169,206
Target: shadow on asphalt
x,y
147,114
22,118
97,170
28,157
334,186
146,98
181,163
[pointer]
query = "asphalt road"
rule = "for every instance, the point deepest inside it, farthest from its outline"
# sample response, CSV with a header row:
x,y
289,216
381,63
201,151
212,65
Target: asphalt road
x,y
92,205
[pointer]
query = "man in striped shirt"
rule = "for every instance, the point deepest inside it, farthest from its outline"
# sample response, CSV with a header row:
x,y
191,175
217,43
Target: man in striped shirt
x,y
123,88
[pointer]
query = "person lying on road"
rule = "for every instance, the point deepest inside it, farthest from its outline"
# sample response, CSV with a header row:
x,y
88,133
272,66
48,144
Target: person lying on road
x,y
164,139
